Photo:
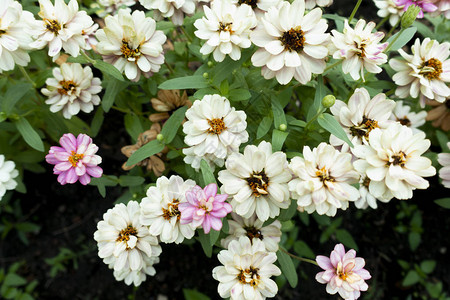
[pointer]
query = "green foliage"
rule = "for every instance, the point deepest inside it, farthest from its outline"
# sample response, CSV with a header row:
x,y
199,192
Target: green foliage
x,y
14,286
287,267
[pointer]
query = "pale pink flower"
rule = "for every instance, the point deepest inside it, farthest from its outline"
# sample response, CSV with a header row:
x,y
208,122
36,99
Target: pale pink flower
x,y
75,160
204,207
425,5
343,273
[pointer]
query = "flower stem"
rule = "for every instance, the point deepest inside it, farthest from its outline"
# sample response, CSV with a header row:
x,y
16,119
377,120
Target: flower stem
x,y
185,34
355,9
319,112
388,35
92,61
169,67
394,40
24,72
382,22
300,258
333,65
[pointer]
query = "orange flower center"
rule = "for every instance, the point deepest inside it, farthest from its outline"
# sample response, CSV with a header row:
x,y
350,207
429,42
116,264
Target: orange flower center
x,y
172,210
249,276
75,158
363,129
323,174
124,235
225,27
259,183
52,26
67,87
399,159
129,52
431,69
253,232
216,126
252,3
293,40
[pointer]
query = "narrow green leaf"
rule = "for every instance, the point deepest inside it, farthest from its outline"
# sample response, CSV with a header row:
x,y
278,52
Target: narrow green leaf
x,y
318,96
442,139
145,151
112,89
97,122
29,134
423,29
444,202
278,138
205,241
411,278
108,69
194,295
298,123
12,279
302,249
264,126
287,214
171,126
79,59
414,240
404,38
278,113
346,238
133,126
208,176
13,95
428,266
129,180
287,268
223,69
329,123
187,82
239,95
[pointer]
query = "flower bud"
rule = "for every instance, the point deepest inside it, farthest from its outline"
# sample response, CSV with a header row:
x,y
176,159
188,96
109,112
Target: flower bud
x,y
205,75
282,127
159,137
409,16
210,64
328,101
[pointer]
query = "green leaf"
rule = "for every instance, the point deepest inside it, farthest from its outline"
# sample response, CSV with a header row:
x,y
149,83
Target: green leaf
x,y
79,59
403,39
264,127
414,240
287,214
346,238
423,29
149,149
13,95
223,69
171,126
318,96
205,241
239,95
108,69
194,295
329,123
444,202
128,180
97,122
278,138
287,268
427,266
208,176
298,123
302,249
29,134
112,89
411,278
278,112
133,126
12,279
187,82
442,139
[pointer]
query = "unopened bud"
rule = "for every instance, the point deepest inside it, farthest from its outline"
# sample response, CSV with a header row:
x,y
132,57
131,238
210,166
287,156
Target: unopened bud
x,y
159,137
205,75
210,64
282,127
409,16
328,101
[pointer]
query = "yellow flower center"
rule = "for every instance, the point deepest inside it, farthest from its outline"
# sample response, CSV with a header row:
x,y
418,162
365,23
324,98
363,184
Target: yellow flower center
x,y
249,276
225,27
363,129
293,40
67,87
124,235
252,3
52,26
259,183
2,32
431,69
129,52
216,126
322,173
404,121
253,232
399,159
172,210
75,158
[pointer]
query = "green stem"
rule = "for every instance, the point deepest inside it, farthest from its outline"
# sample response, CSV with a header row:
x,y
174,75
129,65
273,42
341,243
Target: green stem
x,y
120,109
300,258
388,35
185,34
355,9
333,65
319,112
92,61
169,67
382,22
394,40
24,72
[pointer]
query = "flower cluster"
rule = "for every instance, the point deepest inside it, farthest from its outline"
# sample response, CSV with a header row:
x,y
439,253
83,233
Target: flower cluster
x,y
8,172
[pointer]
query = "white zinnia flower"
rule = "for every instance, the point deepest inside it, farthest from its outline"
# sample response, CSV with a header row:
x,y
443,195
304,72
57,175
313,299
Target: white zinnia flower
x,y
132,44
72,89
403,114
246,271
89,37
444,172
160,209
112,6
360,116
423,73
253,228
443,8
259,6
173,9
14,38
323,179
310,4
360,49
389,8
124,243
215,128
291,44
136,277
7,174
194,160
392,160
366,199
62,26
257,181
226,27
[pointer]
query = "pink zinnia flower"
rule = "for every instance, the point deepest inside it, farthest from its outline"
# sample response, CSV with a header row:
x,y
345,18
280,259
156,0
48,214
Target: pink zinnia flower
x,y
343,273
75,160
204,207
425,5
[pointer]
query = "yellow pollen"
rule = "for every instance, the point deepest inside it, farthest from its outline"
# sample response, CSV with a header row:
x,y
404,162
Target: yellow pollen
x,y
75,158
225,27
323,175
249,276
128,52
124,235
431,69
172,210
66,87
399,159
216,126
2,32
363,129
293,40
259,183
52,26
252,3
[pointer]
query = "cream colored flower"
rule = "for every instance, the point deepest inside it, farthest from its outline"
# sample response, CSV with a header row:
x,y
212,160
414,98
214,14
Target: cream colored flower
x,y
444,172
389,8
7,174
173,9
402,113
